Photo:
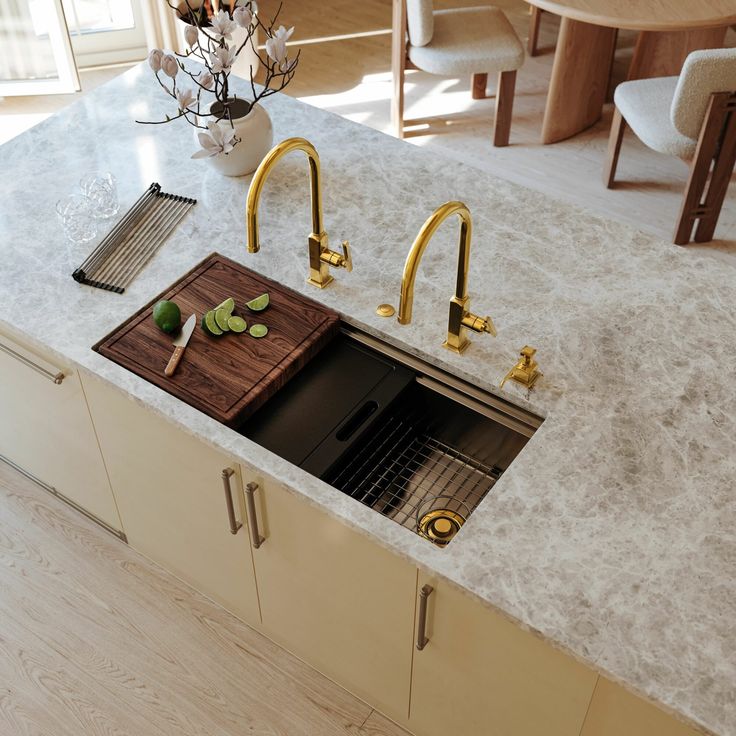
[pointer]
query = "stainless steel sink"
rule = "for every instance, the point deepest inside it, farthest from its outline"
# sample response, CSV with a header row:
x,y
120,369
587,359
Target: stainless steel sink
x,y
398,435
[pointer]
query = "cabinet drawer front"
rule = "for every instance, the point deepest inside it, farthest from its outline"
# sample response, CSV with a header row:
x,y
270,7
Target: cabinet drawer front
x,y
616,712
46,429
478,673
334,597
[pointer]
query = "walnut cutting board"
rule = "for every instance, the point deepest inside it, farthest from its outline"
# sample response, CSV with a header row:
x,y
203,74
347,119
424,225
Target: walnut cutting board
x,y
231,376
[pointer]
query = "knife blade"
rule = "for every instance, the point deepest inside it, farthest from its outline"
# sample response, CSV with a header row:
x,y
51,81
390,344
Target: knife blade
x,y
179,344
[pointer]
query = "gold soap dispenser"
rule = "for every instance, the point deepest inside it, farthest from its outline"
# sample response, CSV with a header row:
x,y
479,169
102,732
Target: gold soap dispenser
x,y
526,370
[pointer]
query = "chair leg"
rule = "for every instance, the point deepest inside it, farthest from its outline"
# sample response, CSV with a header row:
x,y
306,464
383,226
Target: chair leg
x,y
720,178
618,128
479,84
504,108
535,21
398,66
693,208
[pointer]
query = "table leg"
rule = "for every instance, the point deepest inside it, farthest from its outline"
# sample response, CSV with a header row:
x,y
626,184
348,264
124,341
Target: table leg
x,y
579,81
662,53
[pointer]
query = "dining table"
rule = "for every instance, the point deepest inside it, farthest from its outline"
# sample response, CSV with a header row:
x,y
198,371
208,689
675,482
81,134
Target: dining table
x,y
668,30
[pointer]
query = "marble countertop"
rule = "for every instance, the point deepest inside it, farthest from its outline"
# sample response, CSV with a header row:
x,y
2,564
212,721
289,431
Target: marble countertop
x,y
613,534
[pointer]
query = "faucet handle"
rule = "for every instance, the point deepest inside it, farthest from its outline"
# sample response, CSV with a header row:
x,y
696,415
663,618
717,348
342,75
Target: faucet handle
x,y
347,256
479,324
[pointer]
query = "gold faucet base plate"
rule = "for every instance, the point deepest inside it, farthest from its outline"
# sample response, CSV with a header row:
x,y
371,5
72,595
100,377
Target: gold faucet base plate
x,y
320,284
459,350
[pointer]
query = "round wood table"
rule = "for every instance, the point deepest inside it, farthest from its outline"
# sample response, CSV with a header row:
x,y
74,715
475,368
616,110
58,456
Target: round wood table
x,y
668,31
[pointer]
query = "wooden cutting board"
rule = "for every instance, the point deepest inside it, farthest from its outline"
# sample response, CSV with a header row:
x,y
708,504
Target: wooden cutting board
x,y
231,376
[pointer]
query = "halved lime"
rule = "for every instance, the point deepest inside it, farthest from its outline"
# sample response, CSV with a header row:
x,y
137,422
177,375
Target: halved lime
x,y
221,318
228,305
211,324
259,303
237,324
258,330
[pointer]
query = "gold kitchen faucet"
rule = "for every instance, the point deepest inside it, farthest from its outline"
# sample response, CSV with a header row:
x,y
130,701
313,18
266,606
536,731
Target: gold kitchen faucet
x,y
320,255
460,318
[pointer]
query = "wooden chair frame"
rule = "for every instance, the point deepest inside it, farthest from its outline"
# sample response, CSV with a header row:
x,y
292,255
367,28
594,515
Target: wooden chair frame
x,y
710,168
400,62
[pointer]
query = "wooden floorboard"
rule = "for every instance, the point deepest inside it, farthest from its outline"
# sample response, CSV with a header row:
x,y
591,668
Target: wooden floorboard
x,y
96,639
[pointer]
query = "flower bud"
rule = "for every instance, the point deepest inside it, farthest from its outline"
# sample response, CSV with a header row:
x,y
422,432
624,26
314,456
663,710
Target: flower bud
x,y
154,59
242,16
169,65
207,80
191,36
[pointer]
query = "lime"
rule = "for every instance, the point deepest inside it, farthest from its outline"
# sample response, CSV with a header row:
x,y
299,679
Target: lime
x,y
258,331
237,324
259,303
167,316
221,318
228,306
210,324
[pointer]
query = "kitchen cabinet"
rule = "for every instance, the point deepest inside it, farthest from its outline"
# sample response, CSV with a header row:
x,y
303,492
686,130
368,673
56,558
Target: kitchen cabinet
x,y
616,712
45,429
480,674
170,492
334,597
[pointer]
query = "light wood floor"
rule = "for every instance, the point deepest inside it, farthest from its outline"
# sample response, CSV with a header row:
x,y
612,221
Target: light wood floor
x,y
97,640
345,67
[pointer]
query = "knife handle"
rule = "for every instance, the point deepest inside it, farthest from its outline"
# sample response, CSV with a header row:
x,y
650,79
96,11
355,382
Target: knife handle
x,y
174,360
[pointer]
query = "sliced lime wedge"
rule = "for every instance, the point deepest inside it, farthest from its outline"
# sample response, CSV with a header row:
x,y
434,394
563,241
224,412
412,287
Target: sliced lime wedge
x,y
259,303
221,318
258,331
228,305
211,324
237,324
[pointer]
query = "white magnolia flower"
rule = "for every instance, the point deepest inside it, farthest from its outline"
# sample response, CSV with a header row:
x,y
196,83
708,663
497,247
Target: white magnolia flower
x,y
243,16
222,59
222,25
276,46
218,140
185,98
191,36
170,65
207,80
154,59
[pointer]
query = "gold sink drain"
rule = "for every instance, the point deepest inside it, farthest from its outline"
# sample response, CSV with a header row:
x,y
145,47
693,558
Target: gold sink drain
x,y
440,525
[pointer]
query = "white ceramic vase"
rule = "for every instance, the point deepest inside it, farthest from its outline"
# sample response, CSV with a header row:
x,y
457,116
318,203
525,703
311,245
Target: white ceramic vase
x,y
256,138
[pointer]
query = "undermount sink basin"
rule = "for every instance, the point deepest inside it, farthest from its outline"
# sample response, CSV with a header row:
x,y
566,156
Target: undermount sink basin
x,y
413,443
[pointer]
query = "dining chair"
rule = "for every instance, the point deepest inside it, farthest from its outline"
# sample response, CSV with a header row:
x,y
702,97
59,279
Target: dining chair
x,y
692,116
535,22
475,41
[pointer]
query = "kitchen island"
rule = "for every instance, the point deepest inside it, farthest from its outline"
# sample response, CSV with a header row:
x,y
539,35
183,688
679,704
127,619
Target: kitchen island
x,y
611,536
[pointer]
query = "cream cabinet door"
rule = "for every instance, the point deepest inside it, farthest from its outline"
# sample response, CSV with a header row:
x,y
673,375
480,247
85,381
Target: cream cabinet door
x,y
45,429
480,674
616,712
170,492
334,597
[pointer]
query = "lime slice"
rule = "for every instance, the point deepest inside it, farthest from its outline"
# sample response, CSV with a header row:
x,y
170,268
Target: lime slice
x,y
258,330
209,321
228,305
259,303
221,318
237,324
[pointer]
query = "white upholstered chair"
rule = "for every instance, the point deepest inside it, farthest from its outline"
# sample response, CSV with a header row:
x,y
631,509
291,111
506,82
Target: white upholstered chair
x,y
692,116
474,41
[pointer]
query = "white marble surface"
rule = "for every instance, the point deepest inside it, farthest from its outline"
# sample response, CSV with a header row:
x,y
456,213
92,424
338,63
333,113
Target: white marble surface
x,y
613,534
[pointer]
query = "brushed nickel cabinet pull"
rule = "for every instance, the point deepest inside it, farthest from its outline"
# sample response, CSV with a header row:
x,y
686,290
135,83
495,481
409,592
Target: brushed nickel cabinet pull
x,y
424,594
56,378
250,506
234,523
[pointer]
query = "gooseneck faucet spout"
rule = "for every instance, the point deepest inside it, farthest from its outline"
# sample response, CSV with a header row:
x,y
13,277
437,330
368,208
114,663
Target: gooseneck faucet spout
x,y
459,318
320,255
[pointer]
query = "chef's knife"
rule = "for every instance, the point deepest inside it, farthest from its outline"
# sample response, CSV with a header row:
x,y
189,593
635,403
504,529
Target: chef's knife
x,y
179,344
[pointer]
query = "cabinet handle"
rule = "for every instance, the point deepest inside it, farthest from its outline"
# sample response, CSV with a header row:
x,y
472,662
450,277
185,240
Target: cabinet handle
x,y
424,594
57,378
234,523
250,507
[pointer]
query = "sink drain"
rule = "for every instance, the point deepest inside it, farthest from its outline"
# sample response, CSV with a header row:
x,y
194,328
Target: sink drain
x,y
440,525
